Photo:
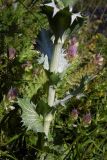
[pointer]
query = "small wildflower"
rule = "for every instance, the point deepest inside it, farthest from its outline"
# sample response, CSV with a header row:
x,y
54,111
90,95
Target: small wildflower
x,y
12,94
11,53
98,60
73,40
73,48
87,119
74,114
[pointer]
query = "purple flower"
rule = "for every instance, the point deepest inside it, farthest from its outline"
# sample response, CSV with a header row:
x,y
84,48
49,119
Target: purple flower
x,y
73,48
11,53
87,119
12,94
74,40
74,114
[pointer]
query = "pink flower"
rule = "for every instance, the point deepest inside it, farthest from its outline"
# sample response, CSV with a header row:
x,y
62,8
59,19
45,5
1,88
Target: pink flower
x,y
73,48
11,53
87,119
73,40
74,114
12,94
72,51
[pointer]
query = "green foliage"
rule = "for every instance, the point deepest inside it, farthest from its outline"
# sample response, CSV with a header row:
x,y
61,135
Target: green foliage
x,y
69,138
69,2
61,22
74,75
54,78
31,83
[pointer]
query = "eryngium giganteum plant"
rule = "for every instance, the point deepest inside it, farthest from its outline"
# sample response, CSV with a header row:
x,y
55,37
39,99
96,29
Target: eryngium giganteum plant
x,y
62,21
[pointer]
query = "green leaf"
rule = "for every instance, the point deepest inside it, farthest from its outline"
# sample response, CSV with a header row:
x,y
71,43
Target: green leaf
x,y
54,78
43,108
61,21
69,2
30,118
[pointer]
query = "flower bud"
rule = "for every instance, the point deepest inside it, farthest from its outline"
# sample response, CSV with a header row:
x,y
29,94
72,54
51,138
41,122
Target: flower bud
x,y
73,47
74,114
98,60
12,94
11,53
73,40
87,119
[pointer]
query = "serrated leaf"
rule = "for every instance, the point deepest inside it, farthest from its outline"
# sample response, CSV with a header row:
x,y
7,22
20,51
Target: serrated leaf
x,y
30,117
53,5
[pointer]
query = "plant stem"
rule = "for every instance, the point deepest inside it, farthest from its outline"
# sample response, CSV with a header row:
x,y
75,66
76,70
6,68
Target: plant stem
x,y
47,122
54,69
55,57
51,93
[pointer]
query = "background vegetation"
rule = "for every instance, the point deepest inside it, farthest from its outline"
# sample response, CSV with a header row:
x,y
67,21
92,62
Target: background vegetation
x,y
80,127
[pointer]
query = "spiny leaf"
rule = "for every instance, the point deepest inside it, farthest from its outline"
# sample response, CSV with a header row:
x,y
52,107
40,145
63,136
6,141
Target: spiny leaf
x,y
30,117
61,21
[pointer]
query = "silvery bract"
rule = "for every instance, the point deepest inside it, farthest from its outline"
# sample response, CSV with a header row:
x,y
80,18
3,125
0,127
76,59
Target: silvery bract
x,y
62,65
55,8
44,60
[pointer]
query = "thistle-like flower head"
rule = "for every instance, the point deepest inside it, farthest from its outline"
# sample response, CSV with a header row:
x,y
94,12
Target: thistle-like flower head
x,y
11,53
12,94
74,114
87,119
